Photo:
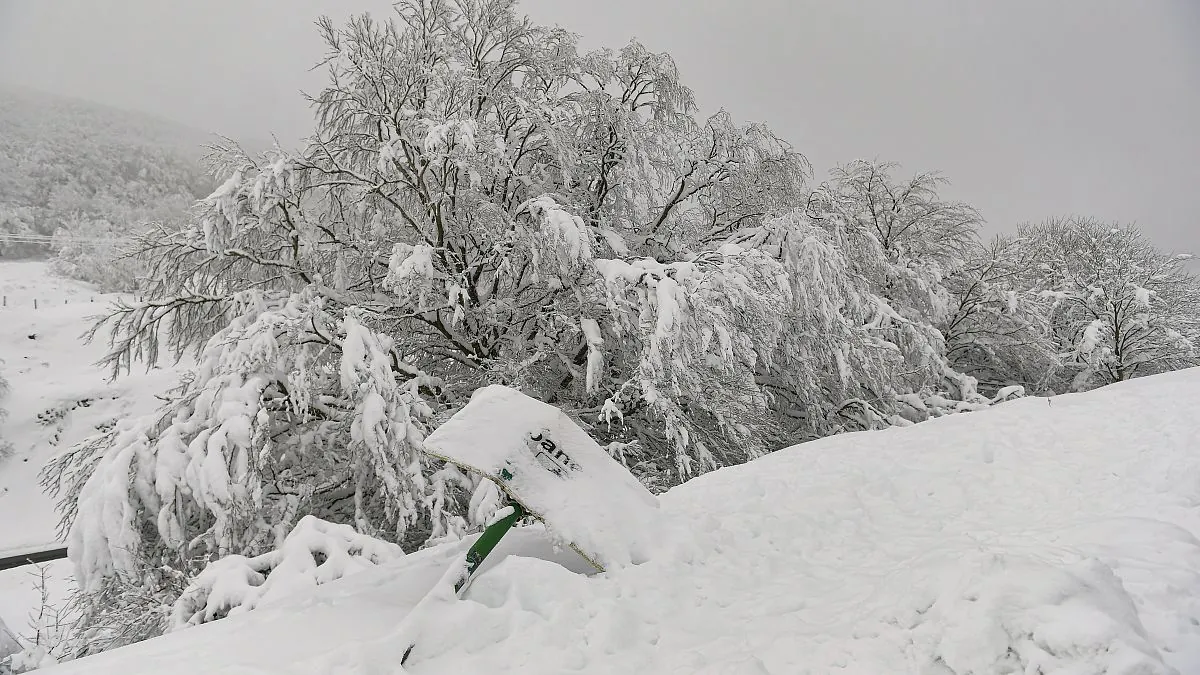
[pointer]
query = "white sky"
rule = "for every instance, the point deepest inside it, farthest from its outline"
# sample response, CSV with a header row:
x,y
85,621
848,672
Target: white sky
x,y
1033,108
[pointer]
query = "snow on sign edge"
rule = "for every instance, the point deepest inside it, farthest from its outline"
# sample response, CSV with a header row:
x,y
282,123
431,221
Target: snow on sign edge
x,y
593,503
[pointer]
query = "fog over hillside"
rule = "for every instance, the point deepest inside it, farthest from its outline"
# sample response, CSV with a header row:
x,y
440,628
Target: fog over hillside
x,y
81,169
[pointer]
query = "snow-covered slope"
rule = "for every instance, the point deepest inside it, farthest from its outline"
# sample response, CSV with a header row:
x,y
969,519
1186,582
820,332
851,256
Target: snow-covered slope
x,y
1036,537
58,397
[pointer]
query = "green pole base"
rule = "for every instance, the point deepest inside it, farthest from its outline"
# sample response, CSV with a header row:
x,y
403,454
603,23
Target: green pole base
x,y
487,541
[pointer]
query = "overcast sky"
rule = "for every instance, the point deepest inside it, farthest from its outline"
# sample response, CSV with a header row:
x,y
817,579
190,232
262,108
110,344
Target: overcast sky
x,y
1032,107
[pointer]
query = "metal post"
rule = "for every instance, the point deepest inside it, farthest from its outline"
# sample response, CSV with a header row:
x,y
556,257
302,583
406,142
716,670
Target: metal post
x,y
487,541
475,557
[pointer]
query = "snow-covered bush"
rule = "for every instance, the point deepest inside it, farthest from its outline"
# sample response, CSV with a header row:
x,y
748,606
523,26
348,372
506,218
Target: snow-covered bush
x,y
47,640
315,552
122,608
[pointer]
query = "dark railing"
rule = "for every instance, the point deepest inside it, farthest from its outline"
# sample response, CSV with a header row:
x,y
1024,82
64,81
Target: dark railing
x,y
32,557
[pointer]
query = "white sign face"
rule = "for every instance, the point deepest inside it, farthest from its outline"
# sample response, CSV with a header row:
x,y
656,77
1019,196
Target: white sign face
x,y
542,460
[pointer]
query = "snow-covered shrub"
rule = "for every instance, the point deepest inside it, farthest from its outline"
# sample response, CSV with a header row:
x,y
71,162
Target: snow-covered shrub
x,y
315,552
123,608
47,641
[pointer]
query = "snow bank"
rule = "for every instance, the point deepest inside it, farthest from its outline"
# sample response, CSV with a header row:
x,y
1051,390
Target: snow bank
x,y
315,552
1039,536
1003,613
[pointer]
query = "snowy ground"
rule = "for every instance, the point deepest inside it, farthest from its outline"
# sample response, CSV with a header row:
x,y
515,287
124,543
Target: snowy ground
x,y
1053,537
58,397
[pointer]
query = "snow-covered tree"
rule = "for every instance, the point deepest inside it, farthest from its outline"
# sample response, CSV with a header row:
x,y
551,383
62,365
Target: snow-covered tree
x,y
444,228
909,218
1119,307
904,240
46,638
18,221
998,327
479,203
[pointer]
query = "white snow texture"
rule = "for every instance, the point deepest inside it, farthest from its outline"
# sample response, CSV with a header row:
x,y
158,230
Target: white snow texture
x,y
1039,536
315,552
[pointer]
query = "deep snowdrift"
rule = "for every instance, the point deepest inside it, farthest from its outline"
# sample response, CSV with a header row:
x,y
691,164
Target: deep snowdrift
x,y
1036,537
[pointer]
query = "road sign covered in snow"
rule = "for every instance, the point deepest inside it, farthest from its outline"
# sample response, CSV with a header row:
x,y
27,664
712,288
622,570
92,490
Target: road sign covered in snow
x,y
543,461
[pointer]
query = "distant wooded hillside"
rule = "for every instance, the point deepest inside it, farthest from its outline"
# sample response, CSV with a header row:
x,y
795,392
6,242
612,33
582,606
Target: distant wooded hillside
x,y
90,170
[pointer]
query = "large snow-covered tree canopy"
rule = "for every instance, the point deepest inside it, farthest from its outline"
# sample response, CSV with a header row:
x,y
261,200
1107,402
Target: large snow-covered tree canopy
x,y
480,202
998,327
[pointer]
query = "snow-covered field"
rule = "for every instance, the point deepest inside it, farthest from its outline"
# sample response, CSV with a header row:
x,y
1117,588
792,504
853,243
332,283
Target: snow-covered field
x,y
58,397
1041,536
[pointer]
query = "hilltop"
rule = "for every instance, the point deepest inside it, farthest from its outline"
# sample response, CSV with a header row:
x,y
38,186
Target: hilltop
x,y
90,168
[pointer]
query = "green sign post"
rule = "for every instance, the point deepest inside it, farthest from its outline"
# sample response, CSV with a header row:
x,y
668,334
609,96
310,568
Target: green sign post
x,y
487,541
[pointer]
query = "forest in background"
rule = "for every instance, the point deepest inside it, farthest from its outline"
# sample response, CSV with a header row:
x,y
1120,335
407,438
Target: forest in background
x,y
77,170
